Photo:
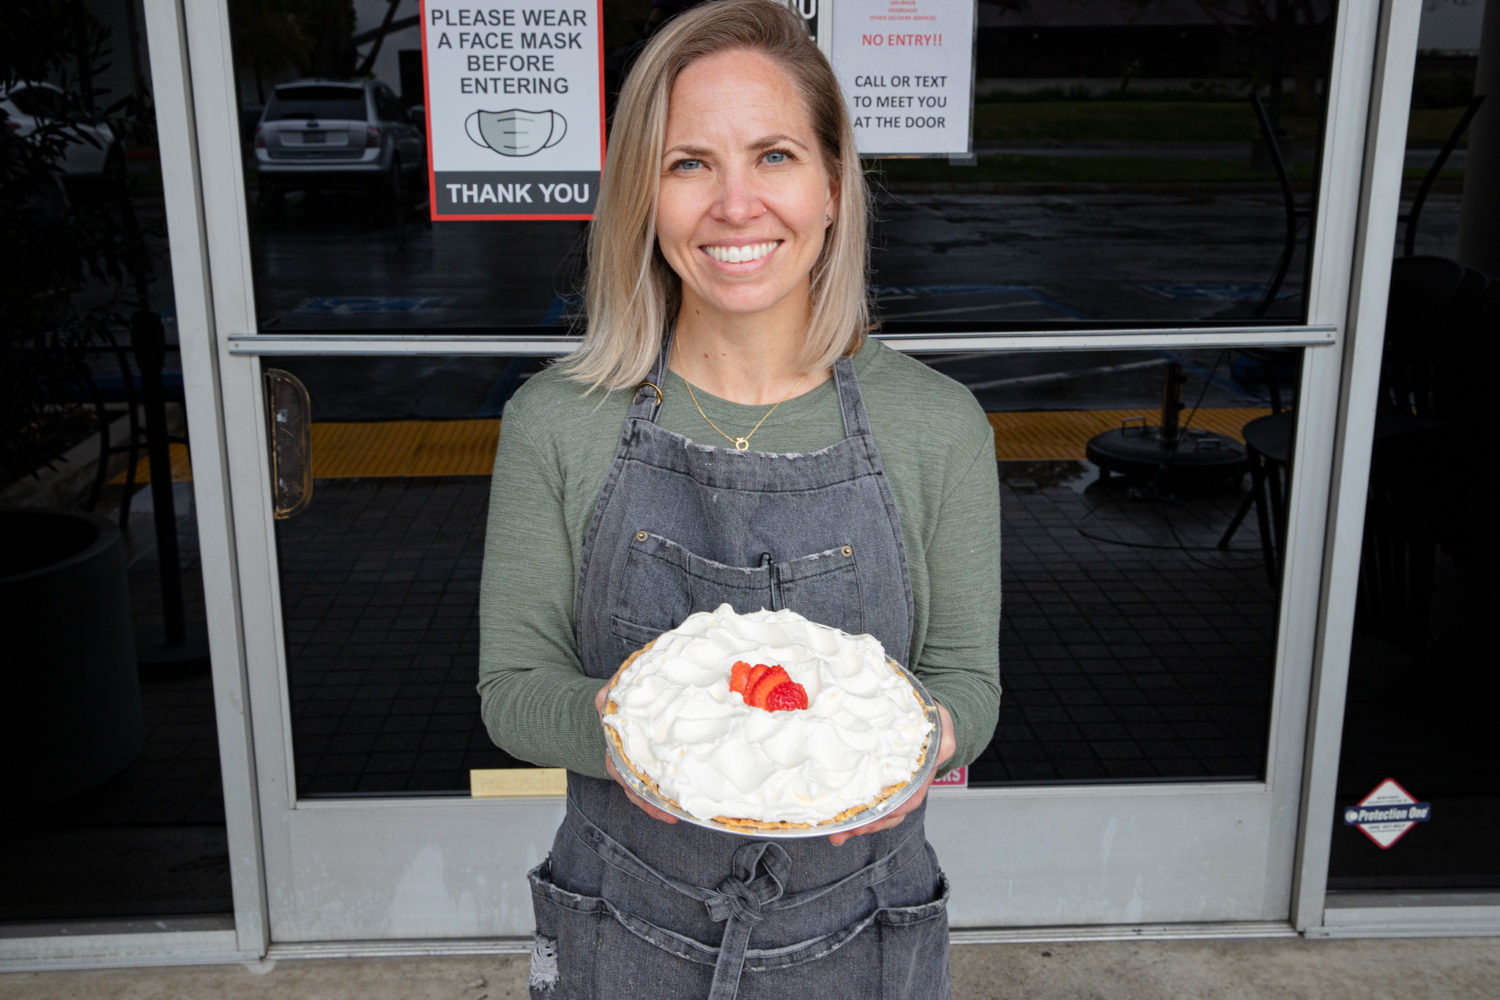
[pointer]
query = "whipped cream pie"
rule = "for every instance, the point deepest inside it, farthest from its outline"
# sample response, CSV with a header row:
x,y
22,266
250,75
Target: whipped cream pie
x,y
679,727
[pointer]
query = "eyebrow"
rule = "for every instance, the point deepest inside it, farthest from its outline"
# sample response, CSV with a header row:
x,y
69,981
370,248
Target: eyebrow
x,y
696,152
765,142
776,140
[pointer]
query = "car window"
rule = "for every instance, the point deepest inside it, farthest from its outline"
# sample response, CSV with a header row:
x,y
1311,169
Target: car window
x,y
390,109
316,102
39,102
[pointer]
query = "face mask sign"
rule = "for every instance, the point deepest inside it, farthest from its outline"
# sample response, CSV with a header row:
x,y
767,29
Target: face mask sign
x,y
516,132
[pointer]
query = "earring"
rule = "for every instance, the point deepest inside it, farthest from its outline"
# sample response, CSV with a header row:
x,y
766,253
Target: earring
x,y
827,218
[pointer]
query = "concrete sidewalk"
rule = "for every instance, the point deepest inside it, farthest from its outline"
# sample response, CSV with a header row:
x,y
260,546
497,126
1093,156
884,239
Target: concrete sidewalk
x,y
1256,969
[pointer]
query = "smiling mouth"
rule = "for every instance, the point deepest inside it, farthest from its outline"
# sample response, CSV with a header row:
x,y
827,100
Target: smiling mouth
x,y
741,254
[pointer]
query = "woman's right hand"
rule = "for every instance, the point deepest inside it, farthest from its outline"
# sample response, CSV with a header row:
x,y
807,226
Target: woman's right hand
x,y
609,765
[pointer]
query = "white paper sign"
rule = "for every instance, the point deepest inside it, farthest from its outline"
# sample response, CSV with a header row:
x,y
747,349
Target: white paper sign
x,y
907,70
515,107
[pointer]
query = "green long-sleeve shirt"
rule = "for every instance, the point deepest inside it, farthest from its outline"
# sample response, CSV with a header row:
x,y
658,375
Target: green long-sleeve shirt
x,y
556,447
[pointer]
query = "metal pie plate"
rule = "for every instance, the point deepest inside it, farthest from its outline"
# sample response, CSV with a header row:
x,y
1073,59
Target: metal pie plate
x,y
885,808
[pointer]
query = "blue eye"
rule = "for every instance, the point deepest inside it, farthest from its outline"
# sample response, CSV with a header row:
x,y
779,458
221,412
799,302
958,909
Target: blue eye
x,y
776,156
687,165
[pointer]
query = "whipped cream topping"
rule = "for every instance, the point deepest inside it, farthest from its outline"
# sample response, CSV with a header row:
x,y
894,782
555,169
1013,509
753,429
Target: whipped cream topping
x,y
863,729
740,254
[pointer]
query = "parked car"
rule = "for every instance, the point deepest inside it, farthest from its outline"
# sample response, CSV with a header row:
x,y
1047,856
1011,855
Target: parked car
x,y
89,149
327,133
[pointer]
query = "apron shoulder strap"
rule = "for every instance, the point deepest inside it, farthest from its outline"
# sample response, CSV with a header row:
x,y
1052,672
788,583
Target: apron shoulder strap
x,y
851,401
647,401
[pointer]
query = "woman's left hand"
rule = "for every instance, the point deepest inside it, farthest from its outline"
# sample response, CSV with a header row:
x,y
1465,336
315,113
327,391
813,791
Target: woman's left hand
x,y
945,750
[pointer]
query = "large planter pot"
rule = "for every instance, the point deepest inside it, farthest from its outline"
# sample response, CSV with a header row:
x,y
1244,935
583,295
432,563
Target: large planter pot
x,y
70,715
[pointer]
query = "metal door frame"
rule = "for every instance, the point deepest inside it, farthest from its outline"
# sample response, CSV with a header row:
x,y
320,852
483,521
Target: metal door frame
x,y
1393,42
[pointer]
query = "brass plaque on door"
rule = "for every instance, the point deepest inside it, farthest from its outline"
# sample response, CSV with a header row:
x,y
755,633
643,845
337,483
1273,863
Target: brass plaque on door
x,y
517,782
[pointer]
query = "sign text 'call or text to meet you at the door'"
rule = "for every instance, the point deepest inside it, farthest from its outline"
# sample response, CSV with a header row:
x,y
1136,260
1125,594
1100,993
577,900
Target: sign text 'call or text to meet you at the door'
x,y
907,71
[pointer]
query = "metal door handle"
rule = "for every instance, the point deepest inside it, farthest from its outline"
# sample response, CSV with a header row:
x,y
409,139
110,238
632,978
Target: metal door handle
x,y
289,434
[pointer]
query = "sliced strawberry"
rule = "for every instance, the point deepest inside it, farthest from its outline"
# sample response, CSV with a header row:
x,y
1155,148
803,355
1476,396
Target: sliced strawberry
x,y
759,689
756,673
738,674
786,696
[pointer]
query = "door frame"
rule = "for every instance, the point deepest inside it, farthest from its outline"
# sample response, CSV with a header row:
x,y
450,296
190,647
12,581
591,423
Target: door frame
x,y
1242,820
1316,913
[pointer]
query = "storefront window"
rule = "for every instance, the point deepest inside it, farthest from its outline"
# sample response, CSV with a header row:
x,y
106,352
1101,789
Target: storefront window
x,y
1414,731
1124,170
114,804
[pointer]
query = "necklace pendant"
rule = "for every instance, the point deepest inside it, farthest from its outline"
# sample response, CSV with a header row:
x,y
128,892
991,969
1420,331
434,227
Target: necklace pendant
x,y
741,444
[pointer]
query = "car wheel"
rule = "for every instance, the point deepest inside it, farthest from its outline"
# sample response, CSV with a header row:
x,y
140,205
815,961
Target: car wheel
x,y
395,191
395,202
268,196
114,167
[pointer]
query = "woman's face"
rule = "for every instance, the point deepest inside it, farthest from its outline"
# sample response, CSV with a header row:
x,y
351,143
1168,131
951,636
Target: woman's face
x,y
740,212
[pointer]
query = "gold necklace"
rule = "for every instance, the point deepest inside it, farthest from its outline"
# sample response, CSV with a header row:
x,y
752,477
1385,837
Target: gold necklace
x,y
740,443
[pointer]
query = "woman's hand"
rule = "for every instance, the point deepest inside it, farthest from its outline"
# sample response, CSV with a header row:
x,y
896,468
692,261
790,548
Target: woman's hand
x,y
945,750
609,765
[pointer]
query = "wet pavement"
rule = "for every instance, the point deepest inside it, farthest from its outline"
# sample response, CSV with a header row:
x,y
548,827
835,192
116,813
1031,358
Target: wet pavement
x,y
1148,257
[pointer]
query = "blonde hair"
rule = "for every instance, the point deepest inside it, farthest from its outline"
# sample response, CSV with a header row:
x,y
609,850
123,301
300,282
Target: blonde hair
x,y
631,292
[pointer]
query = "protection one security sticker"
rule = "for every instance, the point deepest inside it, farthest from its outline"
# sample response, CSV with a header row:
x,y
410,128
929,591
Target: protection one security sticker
x,y
515,107
1387,813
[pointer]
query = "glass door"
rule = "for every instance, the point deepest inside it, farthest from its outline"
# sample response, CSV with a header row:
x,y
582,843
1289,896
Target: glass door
x,y
1140,273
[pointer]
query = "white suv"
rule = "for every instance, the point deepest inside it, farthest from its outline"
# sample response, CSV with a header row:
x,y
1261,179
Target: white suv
x,y
316,133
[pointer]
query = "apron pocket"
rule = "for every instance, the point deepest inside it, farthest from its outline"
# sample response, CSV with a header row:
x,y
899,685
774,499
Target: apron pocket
x,y
667,582
567,934
664,583
586,948
914,949
824,587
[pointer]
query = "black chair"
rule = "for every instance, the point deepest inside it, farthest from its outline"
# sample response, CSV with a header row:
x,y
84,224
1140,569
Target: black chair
x,y
1435,333
1294,212
1268,443
139,369
1268,449
1428,428
1413,215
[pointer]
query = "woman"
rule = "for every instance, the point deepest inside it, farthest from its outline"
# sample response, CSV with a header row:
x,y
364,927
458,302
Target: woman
x,y
725,423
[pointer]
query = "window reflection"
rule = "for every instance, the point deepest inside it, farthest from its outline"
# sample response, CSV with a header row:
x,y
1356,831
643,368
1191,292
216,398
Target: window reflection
x,y
1139,623
380,574
1122,173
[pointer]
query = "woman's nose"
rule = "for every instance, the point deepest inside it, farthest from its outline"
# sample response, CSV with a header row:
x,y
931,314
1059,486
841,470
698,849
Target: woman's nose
x,y
739,197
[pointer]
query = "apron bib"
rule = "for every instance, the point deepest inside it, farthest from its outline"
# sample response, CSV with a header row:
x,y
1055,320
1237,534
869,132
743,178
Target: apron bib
x,y
630,907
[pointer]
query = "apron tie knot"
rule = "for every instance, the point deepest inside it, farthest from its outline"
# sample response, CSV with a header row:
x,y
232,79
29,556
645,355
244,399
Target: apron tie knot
x,y
760,872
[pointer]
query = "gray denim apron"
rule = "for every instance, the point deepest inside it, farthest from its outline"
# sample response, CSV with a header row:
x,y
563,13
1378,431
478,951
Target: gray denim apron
x,y
628,907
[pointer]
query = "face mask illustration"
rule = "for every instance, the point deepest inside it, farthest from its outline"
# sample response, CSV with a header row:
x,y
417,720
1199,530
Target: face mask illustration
x,y
515,132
